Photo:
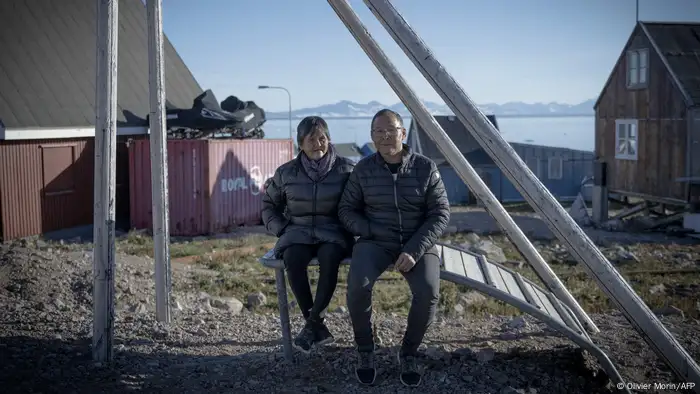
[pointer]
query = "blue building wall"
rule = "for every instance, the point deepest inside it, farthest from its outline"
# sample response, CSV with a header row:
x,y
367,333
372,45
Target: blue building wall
x,y
457,191
569,168
367,149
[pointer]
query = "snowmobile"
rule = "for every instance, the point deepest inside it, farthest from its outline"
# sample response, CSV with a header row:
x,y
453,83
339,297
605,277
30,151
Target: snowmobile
x,y
233,119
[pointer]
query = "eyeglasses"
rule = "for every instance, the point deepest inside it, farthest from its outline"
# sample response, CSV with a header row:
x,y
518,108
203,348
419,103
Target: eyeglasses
x,y
391,132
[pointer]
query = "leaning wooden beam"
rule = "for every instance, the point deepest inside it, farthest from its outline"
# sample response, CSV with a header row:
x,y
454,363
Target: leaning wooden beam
x,y
159,160
105,180
630,211
561,224
459,163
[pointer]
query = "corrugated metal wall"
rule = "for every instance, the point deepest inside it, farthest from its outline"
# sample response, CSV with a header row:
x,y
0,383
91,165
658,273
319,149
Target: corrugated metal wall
x,y
576,165
43,186
457,190
238,171
187,175
214,185
47,185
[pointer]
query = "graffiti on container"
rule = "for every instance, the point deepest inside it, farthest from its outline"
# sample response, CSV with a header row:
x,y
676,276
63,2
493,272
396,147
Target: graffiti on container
x,y
253,182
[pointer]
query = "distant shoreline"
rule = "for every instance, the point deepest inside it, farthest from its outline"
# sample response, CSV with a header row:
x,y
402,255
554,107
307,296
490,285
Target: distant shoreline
x,y
277,117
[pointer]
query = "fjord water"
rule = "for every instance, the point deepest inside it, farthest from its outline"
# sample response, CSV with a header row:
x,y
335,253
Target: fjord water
x,y
575,132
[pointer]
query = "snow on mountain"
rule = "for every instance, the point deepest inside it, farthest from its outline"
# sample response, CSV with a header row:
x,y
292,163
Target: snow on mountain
x,y
349,109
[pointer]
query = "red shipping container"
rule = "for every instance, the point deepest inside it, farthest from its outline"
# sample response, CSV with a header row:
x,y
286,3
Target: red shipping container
x,y
214,185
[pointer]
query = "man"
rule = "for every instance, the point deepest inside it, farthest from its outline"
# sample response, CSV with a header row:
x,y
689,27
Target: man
x,y
396,203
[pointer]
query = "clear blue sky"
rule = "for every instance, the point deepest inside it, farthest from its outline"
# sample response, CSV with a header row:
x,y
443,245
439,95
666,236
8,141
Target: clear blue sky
x,y
498,50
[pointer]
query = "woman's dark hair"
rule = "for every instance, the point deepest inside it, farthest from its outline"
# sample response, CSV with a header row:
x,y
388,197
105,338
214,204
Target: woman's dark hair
x,y
387,112
310,125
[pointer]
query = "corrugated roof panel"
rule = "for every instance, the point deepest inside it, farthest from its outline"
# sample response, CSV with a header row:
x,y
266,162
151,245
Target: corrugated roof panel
x,y
47,71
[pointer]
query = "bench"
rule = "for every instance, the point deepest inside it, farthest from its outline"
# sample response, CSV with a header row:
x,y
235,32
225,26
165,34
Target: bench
x,y
477,272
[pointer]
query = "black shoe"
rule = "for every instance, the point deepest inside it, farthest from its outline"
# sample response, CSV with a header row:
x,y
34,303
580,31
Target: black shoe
x,y
323,335
305,339
410,376
365,371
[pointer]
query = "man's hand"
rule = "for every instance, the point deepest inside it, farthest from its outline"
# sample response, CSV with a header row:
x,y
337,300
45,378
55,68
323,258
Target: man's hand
x,y
404,263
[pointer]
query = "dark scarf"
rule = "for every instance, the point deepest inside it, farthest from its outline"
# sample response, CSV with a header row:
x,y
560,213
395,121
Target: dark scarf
x,y
317,169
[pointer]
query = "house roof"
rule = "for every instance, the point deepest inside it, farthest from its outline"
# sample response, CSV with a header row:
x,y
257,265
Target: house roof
x,y
419,141
678,46
347,150
48,65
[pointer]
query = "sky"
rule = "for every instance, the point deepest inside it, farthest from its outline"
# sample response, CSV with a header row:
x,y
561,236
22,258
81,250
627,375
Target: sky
x,y
497,50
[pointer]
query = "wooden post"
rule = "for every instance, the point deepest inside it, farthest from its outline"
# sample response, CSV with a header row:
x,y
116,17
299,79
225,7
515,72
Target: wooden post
x,y
561,224
463,168
159,160
600,193
105,180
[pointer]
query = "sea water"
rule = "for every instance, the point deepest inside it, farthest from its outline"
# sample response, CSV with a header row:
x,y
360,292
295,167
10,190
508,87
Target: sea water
x,y
575,132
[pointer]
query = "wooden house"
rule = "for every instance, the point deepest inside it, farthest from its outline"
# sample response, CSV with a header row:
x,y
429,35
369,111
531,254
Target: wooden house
x,y
647,130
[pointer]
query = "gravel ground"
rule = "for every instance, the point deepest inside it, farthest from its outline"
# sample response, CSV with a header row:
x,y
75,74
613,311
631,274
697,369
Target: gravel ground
x,y
45,339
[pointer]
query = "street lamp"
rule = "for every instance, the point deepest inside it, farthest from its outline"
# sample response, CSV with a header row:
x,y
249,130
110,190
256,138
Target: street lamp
x,y
290,103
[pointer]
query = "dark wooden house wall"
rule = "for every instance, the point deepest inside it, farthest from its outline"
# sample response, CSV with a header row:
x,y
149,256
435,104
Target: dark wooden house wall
x,y
662,129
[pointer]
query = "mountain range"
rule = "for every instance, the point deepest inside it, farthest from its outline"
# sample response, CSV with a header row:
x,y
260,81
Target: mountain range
x,y
349,109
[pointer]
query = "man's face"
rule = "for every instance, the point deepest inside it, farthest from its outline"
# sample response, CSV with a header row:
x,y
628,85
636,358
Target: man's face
x,y
388,135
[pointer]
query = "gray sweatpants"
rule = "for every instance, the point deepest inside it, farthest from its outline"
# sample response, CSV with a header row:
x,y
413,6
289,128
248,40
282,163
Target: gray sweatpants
x,y
369,261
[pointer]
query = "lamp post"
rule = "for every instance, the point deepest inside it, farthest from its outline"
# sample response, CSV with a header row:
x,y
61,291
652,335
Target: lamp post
x,y
289,95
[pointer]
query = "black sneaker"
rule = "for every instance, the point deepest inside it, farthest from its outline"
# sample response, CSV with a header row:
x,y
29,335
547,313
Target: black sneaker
x,y
409,375
365,371
323,335
305,339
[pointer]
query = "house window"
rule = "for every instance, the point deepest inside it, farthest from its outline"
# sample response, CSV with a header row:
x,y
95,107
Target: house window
x,y
555,168
637,68
626,139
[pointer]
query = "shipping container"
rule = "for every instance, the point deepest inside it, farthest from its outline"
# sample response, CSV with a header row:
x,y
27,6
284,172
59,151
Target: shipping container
x,y
47,185
214,185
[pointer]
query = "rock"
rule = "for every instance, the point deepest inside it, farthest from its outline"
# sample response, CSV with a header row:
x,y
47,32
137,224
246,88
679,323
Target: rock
x,y
257,299
229,304
514,264
485,355
434,352
471,298
669,310
660,288
458,310
472,238
139,308
517,323
341,309
492,251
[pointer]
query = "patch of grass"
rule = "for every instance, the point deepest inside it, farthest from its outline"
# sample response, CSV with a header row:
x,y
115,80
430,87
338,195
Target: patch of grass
x,y
238,273
135,243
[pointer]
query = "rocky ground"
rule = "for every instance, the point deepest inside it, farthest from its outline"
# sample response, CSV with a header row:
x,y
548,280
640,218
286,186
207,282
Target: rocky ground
x,y
221,344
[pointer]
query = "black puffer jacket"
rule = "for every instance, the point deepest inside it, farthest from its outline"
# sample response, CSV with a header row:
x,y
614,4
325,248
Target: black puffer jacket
x,y
406,215
299,211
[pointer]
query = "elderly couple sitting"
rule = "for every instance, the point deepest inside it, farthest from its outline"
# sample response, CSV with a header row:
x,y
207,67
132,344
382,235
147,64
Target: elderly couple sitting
x,y
393,201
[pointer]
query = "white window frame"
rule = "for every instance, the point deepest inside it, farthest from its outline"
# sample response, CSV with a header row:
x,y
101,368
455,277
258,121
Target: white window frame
x,y
637,68
558,162
626,139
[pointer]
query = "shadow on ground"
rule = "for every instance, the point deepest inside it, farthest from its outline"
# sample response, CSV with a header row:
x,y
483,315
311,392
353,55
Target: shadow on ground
x,y
32,365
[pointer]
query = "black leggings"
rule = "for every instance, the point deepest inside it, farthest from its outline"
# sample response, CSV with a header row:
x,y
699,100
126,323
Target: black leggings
x,y
297,258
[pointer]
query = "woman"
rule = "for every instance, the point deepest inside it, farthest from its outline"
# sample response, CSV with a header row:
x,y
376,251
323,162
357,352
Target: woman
x,y
300,206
